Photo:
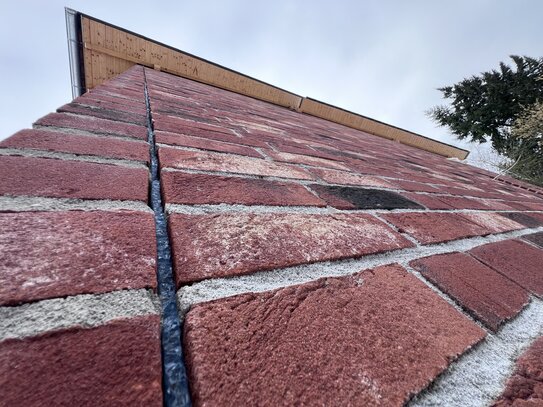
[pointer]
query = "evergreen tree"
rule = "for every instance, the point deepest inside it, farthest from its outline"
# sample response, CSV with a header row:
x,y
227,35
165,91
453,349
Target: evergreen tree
x,y
484,107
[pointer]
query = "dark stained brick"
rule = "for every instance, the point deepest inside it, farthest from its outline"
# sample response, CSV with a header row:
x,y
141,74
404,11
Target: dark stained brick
x,y
525,387
55,254
535,238
486,294
435,227
362,198
71,179
374,338
94,125
68,143
516,260
175,158
219,245
114,364
184,188
527,219
205,144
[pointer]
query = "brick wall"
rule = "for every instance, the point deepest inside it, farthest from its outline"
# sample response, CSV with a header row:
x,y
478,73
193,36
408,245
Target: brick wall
x,y
162,240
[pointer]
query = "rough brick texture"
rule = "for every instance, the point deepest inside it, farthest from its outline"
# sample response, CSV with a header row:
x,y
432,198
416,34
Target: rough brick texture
x,y
55,254
525,387
68,143
114,364
374,338
516,260
220,245
185,188
486,294
71,179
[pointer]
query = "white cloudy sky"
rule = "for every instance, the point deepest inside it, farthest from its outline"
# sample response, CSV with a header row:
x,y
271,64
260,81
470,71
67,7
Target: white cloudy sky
x,y
380,58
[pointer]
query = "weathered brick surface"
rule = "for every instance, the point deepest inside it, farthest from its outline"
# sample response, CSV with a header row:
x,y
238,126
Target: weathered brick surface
x,y
55,254
493,222
105,113
71,179
174,158
516,260
219,245
185,188
432,227
94,125
525,387
486,294
114,364
68,143
306,159
362,198
349,178
374,338
428,200
203,144
527,219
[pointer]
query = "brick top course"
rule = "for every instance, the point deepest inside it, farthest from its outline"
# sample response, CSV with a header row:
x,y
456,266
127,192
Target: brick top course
x,y
254,191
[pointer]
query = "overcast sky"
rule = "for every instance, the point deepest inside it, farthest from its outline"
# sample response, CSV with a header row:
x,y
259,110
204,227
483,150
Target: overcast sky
x,y
381,58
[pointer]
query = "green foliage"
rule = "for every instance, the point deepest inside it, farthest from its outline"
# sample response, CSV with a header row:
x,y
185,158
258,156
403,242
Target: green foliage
x,y
484,107
525,148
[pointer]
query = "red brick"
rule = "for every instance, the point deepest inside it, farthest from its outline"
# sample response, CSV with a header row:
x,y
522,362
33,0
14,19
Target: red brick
x,y
460,202
429,200
412,186
220,245
183,188
493,222
55,254
527,219
71,179
525,387
171,157
349,178
109,114
375,338
205,144
535,238
516,260
435,227
114,364
306,159
67,143
94,125
486,294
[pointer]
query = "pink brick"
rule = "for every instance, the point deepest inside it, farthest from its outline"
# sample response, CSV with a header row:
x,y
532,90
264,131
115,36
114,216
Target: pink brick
x,y
518,261
114,364
429,200
67,143
219,245
375,338
305,159
71,179
171,157
493,222
93,125
349,178
204,144
486,294
435,227
184,188
55,254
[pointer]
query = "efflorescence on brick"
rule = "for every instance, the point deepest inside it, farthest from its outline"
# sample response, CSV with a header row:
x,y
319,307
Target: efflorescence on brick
x,y
240,188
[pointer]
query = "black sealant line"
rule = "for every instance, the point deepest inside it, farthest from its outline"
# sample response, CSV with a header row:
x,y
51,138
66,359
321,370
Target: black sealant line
x,y
174,376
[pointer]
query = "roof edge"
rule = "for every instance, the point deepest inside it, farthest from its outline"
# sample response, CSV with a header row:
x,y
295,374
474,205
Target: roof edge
x,y
87,37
